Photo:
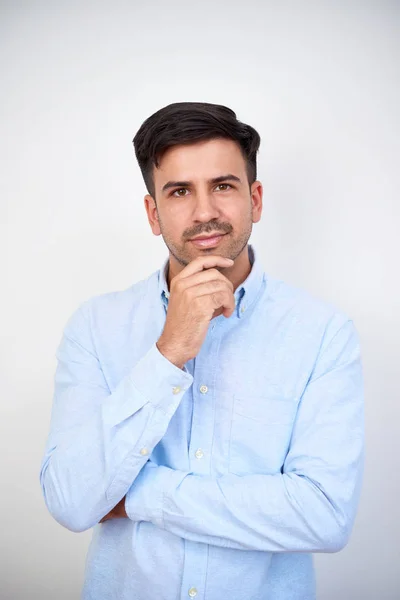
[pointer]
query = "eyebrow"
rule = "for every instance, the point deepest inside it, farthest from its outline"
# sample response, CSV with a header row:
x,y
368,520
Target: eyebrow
x,y
214,180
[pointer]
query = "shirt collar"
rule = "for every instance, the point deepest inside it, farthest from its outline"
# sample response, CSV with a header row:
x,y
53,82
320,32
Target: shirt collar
x,y
245,295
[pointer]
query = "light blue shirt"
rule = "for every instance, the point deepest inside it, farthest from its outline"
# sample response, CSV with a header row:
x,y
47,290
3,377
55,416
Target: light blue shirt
x,y
236,468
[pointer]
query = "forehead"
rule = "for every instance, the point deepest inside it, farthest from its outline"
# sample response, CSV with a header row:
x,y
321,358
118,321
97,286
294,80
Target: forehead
x,y
205,159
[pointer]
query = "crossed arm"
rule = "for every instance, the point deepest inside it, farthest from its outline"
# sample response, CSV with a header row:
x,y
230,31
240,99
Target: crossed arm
x,y
309,506
94,468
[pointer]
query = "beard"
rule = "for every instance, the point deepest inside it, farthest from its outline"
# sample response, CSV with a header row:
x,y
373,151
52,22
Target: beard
x,y
231,247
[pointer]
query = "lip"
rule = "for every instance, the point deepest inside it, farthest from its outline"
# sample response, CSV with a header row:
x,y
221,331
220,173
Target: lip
x,y
208,242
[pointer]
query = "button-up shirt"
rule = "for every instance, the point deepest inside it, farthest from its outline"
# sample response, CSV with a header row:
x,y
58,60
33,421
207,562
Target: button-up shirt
x,y
235,468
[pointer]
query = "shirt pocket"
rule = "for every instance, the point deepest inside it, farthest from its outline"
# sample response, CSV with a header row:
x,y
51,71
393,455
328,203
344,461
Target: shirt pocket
x,y
260,434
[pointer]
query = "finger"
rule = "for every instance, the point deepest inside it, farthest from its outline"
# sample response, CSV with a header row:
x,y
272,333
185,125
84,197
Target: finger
x,y
229,305
229,310
208,288
204,262
224,300
202,277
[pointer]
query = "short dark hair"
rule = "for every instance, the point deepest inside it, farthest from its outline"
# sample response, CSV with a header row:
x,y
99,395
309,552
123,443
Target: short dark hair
x,y
188,123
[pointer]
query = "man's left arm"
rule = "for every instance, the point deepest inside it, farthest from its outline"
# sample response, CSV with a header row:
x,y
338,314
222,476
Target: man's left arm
x,y
308,507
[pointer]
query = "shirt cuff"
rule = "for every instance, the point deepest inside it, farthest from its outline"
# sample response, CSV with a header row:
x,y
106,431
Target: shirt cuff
x,y
156,378
153,379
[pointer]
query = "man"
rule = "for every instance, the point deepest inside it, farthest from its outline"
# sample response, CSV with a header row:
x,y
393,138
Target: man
x,y
207,421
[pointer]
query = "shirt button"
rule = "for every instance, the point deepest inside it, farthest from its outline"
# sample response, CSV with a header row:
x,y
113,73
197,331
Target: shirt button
x,y
176,390
192,592
204,389
199,453
144,451
242,309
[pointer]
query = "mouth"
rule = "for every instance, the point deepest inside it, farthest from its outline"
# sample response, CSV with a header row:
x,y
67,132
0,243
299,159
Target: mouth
x,y
207,241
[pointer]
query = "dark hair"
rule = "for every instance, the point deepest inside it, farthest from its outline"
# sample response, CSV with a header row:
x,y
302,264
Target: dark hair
x,y
188,123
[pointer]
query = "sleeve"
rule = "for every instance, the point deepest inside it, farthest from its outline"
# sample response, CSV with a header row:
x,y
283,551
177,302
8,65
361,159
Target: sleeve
x,y
308,507
98,440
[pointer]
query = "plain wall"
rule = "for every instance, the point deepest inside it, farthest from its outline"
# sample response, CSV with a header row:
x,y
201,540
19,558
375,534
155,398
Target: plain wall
x,y
320,82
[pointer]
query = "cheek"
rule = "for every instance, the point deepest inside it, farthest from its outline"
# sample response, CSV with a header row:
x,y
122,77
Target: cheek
x,y
172,226
239,217
177,219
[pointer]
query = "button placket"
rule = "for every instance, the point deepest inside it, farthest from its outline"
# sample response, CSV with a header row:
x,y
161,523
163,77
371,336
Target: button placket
x,y
201,436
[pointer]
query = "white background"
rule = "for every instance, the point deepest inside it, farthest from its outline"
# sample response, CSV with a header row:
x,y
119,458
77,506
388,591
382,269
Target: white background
x,y
320,82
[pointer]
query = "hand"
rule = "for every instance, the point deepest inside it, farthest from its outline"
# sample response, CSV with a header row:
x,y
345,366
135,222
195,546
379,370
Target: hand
x,y
118,512
197,294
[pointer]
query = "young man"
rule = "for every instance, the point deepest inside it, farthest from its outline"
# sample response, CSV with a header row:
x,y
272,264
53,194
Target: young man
x,y
207,421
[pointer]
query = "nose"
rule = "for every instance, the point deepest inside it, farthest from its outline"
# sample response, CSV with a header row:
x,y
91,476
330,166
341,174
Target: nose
x,y
205,207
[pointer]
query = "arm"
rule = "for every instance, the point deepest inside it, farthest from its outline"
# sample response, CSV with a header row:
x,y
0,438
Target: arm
x,y
100,440
309,507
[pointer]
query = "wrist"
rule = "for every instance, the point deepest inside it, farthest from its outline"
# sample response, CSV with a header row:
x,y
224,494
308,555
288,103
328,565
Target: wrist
x,y
170,354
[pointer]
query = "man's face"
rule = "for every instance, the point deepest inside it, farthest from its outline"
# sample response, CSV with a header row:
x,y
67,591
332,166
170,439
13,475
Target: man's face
x,y
202,189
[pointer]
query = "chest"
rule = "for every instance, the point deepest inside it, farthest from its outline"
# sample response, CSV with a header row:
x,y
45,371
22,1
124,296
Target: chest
x,y
239,413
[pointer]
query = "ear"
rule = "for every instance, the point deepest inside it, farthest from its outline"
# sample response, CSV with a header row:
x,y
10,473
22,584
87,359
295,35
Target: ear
x,y
256,200
152,214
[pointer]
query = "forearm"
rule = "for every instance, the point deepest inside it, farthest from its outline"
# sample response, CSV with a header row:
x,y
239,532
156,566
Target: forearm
x,y
89,466
309,505
275,513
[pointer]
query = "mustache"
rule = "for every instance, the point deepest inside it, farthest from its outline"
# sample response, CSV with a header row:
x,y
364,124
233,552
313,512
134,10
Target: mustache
x,y
210,227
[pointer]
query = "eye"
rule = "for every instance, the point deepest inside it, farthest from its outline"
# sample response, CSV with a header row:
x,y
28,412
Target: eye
x,y
174,193
224,185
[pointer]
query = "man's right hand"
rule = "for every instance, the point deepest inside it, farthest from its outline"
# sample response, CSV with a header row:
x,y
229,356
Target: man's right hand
x,y
196,294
